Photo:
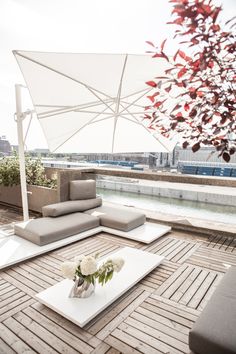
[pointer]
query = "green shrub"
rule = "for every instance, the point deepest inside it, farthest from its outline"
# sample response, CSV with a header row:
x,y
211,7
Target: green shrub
x,y
35,172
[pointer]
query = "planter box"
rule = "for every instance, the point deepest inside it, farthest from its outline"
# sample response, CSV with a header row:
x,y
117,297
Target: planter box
x,y
38,196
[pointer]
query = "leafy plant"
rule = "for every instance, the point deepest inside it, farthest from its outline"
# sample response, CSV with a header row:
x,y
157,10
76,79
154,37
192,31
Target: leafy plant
x,y
199,82
35,172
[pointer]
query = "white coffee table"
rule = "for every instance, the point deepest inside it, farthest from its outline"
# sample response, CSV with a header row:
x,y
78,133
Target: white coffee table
x,y
80,311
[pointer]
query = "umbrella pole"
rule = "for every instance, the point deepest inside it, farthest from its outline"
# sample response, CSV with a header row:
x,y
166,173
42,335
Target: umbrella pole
x,y
19,120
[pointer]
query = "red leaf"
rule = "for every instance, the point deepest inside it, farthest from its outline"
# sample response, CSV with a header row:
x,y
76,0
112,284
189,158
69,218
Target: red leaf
x,y
158,104
226,156
150,43
152,98
211,64
196,147
185,144
161,77
200,93
151,127
167,89
181,73
151,83
175,56
186,107
183,55
162,45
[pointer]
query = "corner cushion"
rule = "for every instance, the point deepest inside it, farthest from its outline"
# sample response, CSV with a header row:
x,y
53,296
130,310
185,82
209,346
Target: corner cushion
x,y
70,206
120,218
82,189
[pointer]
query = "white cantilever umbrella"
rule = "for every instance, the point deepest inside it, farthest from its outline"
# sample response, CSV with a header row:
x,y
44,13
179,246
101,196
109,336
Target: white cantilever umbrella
x,y
92,102
88,103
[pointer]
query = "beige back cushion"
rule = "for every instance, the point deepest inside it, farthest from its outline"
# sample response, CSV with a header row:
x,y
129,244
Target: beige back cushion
x,y
82,189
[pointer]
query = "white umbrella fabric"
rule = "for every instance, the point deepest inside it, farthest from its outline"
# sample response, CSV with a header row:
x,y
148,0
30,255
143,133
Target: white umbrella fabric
x,y
89,103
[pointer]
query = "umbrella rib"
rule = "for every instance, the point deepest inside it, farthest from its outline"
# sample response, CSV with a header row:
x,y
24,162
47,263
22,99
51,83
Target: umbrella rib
x,y
62,111
118,101
147,130
100,120
78,130
67,109
137,99
89,88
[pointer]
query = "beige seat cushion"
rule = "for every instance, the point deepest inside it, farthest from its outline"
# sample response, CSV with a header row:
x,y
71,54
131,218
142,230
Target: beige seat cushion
x,y
120,218
46,230
70,206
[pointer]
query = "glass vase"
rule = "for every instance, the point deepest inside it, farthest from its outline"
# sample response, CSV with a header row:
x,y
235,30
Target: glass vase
x,y
82,288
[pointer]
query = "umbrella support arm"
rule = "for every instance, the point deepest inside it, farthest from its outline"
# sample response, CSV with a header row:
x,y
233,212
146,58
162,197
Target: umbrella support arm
x,y
19,119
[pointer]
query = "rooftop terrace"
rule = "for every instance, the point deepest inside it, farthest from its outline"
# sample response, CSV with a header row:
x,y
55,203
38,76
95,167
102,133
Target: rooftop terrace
x,y
153,317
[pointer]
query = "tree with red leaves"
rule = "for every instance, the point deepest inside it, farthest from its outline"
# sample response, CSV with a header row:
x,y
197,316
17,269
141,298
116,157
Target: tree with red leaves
x,y
202,84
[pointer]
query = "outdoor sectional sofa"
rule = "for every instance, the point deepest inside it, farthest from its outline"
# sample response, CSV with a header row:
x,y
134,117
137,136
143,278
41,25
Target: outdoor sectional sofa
x,y
85,211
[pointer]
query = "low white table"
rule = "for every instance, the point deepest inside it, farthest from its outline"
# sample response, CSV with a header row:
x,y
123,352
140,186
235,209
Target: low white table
x,y
80,311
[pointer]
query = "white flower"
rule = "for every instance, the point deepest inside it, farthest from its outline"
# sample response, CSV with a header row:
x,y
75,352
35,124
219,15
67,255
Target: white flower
x,y
88,265
68,269
78,259
118,264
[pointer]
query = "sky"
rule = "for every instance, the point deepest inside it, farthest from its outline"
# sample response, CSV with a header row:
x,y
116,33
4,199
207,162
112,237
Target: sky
x,y
83,26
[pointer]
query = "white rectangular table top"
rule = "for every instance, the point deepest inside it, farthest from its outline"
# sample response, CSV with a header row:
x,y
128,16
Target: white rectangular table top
x,y
80,311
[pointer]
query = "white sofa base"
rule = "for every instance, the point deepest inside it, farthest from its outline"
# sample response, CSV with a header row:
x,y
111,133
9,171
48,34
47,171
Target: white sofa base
x,y
14,249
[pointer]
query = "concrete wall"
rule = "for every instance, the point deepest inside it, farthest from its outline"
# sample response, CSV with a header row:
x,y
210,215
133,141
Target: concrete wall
x,y
40,196
37,197
148,175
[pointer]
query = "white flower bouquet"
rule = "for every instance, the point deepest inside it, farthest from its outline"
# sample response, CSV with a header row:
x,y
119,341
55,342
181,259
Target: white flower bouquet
x,y
85,271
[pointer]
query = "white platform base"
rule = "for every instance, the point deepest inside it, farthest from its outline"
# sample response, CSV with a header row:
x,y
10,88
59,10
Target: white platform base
x,y
80,311
145,233
14,249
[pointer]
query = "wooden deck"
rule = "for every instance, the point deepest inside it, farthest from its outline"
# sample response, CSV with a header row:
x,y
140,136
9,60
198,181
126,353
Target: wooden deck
x,y
153,317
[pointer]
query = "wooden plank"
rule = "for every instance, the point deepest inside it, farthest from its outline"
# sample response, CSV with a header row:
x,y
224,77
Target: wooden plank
x,y
67,325
113,351
7,290
118,341
191,296
210,292
22,282
171,280
49,339
166,316
5,349
104,348
14,342
150,333
9,294
10,300
65,340
181,309
158,323
184,256
30,278
183,290
202,290
30,339
144,342
18,306
37,274
111,320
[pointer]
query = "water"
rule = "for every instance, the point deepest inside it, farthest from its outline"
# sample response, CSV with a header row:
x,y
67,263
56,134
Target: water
x,y
185,208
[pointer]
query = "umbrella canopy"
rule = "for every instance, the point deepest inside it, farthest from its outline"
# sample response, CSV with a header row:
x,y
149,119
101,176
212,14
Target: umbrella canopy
x,y
89,103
